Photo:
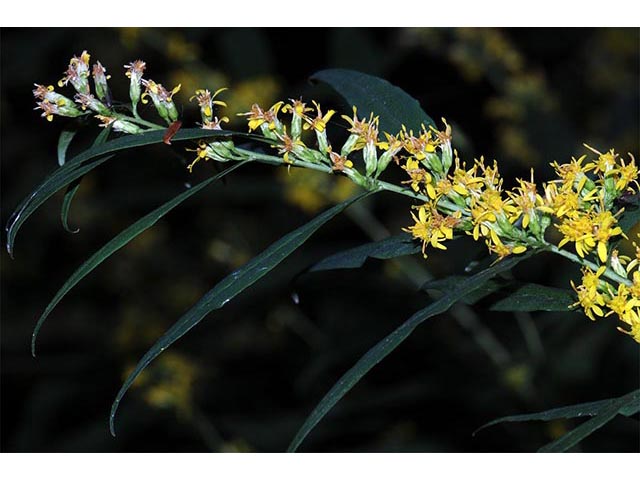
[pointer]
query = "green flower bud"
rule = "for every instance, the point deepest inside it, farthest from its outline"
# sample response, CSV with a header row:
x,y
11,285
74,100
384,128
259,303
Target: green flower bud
x,y
349,145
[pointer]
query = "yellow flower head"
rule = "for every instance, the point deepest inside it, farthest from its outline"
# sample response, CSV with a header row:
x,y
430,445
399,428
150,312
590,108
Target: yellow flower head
x,y
419,176
319,122
606,161
433,228
206,101
589,297
257,116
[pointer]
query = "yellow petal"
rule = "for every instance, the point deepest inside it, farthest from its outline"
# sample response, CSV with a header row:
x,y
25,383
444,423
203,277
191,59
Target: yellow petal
x,y
602,251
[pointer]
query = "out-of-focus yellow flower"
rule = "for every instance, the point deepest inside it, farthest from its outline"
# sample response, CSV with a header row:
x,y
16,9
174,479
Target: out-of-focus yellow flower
x,y
168,383
261,90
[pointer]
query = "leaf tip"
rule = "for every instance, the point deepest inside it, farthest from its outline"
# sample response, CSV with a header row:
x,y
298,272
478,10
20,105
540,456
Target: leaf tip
x,y
112,418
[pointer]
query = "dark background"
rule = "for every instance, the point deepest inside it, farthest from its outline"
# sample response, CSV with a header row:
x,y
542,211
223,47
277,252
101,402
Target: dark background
x,y
247,376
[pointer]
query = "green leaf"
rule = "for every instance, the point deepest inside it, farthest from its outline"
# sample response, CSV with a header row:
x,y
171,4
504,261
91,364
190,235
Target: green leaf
x,y
631,215
449,283
393,340
375,95
228,288
119,241
90,159
57,180
532,297
392,247
63,144
623,405
589,409
73,187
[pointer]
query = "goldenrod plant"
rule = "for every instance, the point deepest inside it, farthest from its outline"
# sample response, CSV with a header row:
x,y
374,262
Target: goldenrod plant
x,y
581,215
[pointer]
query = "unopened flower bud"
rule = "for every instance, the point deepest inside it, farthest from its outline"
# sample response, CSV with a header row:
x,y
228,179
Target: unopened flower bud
x,y
100,81
135,71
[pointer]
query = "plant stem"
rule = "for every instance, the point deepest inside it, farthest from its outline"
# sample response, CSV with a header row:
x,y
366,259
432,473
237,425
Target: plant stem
x,y
610,274
377,184
446,204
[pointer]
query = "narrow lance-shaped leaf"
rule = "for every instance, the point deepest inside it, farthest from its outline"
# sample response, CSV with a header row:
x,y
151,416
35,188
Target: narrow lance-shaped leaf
x,y
73,187
589,409
451,282
532,297
629,402
86,161
375,95
228,288
392,341
392,247
63,144
119,241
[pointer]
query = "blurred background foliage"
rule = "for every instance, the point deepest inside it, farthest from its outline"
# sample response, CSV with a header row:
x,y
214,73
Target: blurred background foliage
x,y
246,378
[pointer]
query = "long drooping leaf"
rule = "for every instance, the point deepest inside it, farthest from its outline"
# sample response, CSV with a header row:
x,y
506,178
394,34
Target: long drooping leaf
x,y
89,159
392,341
228,288
589,409
628,403
119,241
51,185
531,297
375,95
73,187
392,247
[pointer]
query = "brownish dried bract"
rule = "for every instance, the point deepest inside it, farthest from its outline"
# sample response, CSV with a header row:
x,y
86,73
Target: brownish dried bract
x,y
171,131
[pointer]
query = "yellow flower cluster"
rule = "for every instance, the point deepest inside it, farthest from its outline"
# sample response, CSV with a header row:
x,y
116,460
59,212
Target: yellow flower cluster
x,y
581,203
